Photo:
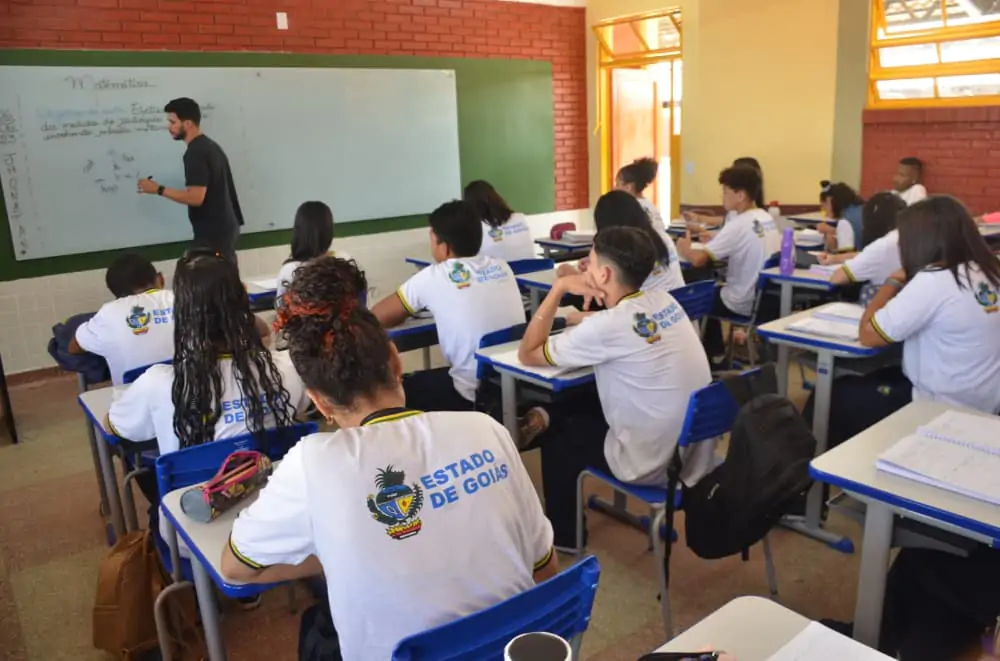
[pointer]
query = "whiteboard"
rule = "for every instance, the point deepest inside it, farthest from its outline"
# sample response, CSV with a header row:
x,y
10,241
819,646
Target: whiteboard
x,y
371,143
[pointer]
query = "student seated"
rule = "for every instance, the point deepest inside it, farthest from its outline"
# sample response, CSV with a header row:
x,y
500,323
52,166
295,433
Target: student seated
x,y
647,360
747,241
944,306
137,328
312,235
506,234
223,382
620,209
880,256
416,519
468,294
699,220
634,179
842,205
907,180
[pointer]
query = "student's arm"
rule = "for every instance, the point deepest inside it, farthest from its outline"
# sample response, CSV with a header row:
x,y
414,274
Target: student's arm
x,y
131,415
897,312
549,569
828,258
409,299
92,335
719,248
262,328
532,350
74,347
272,539
844,237
696,258
703,217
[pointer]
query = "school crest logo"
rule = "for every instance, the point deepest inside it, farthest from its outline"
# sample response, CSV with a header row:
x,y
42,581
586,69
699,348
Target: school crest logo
x,y
758,229
496,233
460,275
139,320
657,268
646,328
396,505
987,297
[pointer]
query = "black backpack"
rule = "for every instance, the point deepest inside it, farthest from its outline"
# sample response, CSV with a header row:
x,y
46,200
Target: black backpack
x,y
766,470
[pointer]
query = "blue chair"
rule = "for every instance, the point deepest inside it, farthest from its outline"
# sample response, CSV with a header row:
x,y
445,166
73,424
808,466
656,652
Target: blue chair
x,y
711,413
131,375
696,299
560,605
750,323
521,266
190,466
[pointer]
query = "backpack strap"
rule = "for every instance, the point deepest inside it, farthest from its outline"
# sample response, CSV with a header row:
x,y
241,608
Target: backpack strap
x,y
673,479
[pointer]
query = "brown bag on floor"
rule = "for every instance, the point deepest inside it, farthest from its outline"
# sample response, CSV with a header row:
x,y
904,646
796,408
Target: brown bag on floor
x,y
129,579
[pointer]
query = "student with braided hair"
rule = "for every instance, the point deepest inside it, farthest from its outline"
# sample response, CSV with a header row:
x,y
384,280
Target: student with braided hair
x,y
416,519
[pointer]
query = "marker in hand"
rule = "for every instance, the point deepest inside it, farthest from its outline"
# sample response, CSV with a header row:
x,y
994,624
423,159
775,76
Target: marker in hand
x,y
142,187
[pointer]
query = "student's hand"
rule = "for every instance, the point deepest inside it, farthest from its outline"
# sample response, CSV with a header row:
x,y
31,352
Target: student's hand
x,y
826,229
147,186
579,285
689,216
706,235
824,258
684,244
565,270
574,317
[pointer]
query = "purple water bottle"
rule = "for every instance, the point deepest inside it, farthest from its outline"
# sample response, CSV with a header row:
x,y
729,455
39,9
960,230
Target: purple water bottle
x,y
787,264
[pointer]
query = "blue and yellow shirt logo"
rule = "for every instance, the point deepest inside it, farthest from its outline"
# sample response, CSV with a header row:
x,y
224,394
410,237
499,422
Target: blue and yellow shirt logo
x,y
758,229
139,320
646,328
460,275
496,233
987,297
396,505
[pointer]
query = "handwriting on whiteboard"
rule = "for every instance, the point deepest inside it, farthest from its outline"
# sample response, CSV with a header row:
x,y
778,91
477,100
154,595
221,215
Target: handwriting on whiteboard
x,y
65,123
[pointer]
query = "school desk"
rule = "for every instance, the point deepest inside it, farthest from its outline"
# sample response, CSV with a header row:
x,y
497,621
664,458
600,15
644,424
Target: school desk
x,y
416,333
513,371
561,250
260,288
851,467
810,219
801,279
827,350
95,405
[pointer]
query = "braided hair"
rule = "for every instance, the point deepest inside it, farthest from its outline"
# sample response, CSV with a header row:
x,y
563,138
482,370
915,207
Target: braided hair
x,y
212,319
337,345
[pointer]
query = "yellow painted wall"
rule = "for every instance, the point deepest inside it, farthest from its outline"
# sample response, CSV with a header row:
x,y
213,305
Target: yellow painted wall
x,y
760,79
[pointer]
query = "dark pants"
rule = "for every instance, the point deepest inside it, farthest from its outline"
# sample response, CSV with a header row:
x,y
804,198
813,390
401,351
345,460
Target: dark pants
x,y
858,402
768,309
223,244
434,390
573,442
937,604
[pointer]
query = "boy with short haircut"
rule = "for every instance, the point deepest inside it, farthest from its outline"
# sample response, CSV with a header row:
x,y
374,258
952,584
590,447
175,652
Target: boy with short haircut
x,y
137,328
647,360
907,180
468,294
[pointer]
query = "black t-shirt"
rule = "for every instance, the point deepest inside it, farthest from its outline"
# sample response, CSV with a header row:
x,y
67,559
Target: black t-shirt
x,y
216,223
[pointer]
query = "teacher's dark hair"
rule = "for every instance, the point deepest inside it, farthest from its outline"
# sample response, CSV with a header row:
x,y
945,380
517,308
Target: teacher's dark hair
x,y
878,217
129,274
212,320
312,232
939,232
629,250
337,345
488,203
620,209
185,109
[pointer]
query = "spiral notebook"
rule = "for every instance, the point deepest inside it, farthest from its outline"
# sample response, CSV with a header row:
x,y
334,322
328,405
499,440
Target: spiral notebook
x,y
958,452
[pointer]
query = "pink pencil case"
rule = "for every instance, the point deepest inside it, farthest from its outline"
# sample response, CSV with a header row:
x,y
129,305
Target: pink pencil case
x,y
242,473
991,218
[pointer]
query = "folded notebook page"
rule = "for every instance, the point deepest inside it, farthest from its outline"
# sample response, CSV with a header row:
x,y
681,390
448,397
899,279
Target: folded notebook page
x,y
818,643
840,312
838,329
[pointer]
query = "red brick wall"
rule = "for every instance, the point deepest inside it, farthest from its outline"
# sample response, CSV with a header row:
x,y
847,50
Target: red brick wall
x,y
445,28
960,148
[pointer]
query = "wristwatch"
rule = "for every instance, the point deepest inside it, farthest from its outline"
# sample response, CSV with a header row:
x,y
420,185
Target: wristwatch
x,y
160,189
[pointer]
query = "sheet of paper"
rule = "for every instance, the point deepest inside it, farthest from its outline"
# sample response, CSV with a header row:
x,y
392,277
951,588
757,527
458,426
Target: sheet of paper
x,y
976,431
265,283
510,358
838,329
579,236
826,269
818,643
944,465
840,312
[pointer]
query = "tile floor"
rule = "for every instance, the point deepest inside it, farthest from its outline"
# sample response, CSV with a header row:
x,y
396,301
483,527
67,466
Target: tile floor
x,y
51,539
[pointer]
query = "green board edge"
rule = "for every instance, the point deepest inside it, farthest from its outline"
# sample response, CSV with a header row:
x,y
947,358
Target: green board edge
x,y
505,129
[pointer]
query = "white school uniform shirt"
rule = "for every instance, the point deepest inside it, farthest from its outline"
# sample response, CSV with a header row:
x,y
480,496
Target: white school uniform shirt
x,y
510,242
418,519
132,331
845,236
876,262
913,194
647,360
655,217
469,297
665,278
747,240
950,336
146,409
287,272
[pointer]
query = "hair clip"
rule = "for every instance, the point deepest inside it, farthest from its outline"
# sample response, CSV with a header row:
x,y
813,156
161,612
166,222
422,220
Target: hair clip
x,y
825,186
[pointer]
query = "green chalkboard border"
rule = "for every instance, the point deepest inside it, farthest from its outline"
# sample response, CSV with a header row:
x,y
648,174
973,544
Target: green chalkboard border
x,y
506,135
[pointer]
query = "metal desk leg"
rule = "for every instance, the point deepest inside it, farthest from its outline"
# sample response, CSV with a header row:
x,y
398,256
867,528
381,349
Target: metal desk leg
x,y
111,486
812,525
92,438
872,576
425,354
783,350
508,402
786,298
536,299
209,612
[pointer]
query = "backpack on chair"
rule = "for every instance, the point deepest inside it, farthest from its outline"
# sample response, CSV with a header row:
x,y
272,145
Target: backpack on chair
x,y
129,579
765,471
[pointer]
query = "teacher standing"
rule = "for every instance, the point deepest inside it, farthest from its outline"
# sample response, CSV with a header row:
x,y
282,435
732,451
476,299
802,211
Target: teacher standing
x,y
210,194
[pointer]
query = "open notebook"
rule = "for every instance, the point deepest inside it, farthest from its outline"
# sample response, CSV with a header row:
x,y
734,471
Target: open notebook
x,y
840,312
818,643
840,329
510,358
959,452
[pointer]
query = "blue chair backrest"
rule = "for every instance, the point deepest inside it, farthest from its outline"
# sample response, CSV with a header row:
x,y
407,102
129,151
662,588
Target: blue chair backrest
x,y
519,266
193,465
498,337
560,605
131,375
711,413
696,298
